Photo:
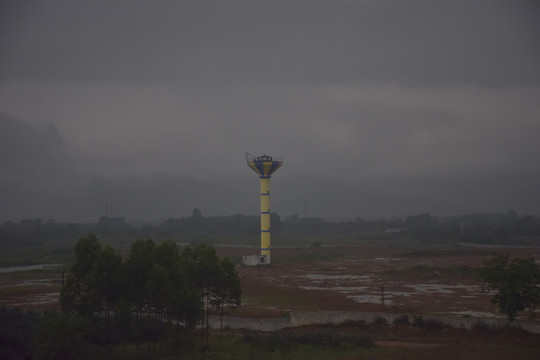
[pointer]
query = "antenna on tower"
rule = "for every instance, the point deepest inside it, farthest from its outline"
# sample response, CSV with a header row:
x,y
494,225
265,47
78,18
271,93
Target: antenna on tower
x,y
249,157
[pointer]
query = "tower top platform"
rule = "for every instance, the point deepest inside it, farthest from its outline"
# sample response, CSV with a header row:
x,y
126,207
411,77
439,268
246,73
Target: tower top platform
x,y
263,165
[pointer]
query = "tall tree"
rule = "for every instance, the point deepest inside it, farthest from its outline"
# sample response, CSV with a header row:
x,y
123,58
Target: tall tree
x,y
203,269
64,337
515,282
138,266
108,278
227,293
157,280
78,295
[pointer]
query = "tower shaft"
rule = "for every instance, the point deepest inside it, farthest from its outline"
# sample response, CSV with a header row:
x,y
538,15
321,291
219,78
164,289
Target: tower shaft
x,y
264,166
265,218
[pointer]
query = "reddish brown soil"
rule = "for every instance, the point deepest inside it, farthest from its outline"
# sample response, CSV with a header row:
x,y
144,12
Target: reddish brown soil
x,y
330,278
350,278
271,291
30,290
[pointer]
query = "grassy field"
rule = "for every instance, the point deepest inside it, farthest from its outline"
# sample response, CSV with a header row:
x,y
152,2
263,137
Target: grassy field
x,y
347,342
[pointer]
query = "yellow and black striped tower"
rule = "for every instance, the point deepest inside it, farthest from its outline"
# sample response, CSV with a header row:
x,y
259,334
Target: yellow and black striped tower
x,y
264,166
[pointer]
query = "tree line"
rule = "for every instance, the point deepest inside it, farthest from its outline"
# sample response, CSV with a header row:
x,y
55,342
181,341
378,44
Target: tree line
x,y
157,291
503,228
158,280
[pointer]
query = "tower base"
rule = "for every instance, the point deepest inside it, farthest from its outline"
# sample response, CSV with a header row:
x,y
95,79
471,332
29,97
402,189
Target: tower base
x,y
252,260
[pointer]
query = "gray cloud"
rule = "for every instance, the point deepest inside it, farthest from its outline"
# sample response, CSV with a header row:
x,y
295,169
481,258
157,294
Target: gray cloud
x,y
26,152
46,185
491,43
37,179
378,107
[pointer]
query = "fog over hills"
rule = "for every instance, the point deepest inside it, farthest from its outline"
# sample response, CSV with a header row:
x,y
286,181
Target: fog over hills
x,y
378,108
39,180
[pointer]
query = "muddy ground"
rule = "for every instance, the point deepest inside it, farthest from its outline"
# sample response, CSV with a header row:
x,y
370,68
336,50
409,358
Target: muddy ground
x,y
400,279
390,279
387,278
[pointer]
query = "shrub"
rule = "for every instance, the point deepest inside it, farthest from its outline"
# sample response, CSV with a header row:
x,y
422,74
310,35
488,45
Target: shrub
x,y
434,325
331,338
271,342
430,324
16,333
402,320
355,323
418,321
285,341
379,320
489,328
64,337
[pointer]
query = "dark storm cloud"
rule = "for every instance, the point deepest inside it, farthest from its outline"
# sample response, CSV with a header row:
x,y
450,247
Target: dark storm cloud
x,y
490,43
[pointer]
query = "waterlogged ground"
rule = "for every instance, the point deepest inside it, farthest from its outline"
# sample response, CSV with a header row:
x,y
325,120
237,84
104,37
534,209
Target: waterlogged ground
x,y
32,287
438,280
389,279
404,280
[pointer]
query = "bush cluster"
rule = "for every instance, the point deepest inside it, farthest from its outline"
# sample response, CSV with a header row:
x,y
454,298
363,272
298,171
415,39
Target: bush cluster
x,y
284,341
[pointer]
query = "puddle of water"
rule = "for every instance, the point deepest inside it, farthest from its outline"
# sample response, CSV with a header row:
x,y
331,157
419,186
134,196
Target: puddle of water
x,y
48,298
398,293
28,267
429,288
442,288
371,299
472,288
37,282
30,283
341,289
473,313
38,299
337,277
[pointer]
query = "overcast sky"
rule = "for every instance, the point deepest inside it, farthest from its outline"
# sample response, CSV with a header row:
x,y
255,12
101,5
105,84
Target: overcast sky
x,y
377,107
